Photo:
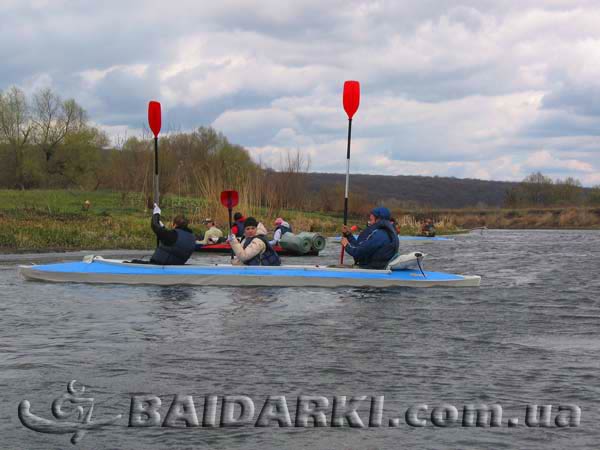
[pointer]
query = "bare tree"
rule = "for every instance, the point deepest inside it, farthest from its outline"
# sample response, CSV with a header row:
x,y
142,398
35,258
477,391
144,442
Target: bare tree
x,y
54,119
15,128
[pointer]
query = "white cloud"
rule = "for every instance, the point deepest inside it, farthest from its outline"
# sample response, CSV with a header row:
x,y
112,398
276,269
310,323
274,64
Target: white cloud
x,y
479,89
543,160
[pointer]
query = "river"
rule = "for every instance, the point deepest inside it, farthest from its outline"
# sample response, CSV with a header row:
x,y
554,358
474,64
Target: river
x,y
529,335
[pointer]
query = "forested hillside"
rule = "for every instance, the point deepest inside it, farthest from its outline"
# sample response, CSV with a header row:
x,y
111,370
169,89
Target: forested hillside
x,y
413,191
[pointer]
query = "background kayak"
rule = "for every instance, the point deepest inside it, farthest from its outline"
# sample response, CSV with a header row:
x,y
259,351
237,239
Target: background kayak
x,y
225,248
406,238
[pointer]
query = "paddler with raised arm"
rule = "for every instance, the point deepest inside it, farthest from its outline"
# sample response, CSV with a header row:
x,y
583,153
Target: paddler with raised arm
x,y
376,245
175,246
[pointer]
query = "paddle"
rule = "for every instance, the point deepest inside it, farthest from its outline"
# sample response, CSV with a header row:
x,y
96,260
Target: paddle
x,y
154,120
351,99
229,199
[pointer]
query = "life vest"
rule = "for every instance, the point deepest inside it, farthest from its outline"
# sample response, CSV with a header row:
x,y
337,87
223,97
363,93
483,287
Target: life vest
x,y
267,258
382,256
179,252
240,227
283,229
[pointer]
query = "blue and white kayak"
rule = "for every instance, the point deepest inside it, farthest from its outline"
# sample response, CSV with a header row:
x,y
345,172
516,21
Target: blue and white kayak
x,y
98,270
407,238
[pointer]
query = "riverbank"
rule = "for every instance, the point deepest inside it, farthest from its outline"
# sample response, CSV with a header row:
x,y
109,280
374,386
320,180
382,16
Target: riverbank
x,y
61,220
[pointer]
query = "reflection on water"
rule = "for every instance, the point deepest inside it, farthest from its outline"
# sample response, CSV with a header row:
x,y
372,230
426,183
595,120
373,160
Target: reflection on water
x,y
529,334
176,293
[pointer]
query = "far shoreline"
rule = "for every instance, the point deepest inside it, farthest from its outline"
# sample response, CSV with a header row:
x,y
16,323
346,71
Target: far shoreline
x,y
136,251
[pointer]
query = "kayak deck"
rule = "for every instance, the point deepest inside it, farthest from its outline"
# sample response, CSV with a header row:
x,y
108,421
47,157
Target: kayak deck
x,y
115,271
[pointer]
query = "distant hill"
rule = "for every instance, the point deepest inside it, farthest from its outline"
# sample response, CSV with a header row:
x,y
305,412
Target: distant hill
x,y
412,191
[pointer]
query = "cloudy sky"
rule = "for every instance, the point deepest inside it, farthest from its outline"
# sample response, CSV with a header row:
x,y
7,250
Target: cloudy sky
x,y
486,89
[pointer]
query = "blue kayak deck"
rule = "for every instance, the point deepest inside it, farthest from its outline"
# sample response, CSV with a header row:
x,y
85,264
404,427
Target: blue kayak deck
x,y
101,267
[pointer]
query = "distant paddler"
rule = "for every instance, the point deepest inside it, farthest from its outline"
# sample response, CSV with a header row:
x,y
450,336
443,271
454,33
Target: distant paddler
x,y
376,245
255,249
175,246
238,225
281,227
396,225
213,234
427,229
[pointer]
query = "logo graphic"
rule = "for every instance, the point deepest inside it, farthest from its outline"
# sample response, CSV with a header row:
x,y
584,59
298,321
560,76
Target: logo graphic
x,y
79,410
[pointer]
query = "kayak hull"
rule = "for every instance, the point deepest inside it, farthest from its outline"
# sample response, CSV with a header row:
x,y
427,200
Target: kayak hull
x,y
225,248
103,271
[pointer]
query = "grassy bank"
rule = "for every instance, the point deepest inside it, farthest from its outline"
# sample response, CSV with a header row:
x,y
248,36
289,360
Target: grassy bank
x,y
42,220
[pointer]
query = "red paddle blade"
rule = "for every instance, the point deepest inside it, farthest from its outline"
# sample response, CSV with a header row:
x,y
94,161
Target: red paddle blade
x,y
351,97
229,199
154,117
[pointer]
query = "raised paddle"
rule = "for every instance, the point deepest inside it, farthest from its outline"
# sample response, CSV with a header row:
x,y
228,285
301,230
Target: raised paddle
x,y
154,120
351,100
229,199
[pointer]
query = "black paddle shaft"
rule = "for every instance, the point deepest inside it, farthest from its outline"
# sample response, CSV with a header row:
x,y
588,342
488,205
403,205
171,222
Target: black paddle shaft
x,y
230,227
347,173
156,185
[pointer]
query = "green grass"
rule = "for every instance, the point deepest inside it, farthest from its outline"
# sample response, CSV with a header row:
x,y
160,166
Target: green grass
x,y
42,220
56,220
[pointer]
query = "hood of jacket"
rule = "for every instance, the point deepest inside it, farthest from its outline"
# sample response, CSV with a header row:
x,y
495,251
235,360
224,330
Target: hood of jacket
x,y
260,229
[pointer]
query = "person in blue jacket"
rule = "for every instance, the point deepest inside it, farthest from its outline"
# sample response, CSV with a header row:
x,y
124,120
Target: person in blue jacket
x,y
376,245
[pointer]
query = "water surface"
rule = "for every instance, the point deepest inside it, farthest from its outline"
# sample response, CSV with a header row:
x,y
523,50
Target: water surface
x,y
528,335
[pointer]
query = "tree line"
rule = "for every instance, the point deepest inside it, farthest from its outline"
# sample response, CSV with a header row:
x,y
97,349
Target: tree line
x,y
49,142
539,190
45,141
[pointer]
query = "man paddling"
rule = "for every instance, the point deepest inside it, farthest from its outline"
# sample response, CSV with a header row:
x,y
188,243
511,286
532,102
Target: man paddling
x,y
376,245
255,249
213,235
175,246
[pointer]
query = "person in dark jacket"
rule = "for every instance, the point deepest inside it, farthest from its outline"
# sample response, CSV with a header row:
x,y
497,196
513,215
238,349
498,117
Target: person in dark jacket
x,y
174,246
238,225
376,245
